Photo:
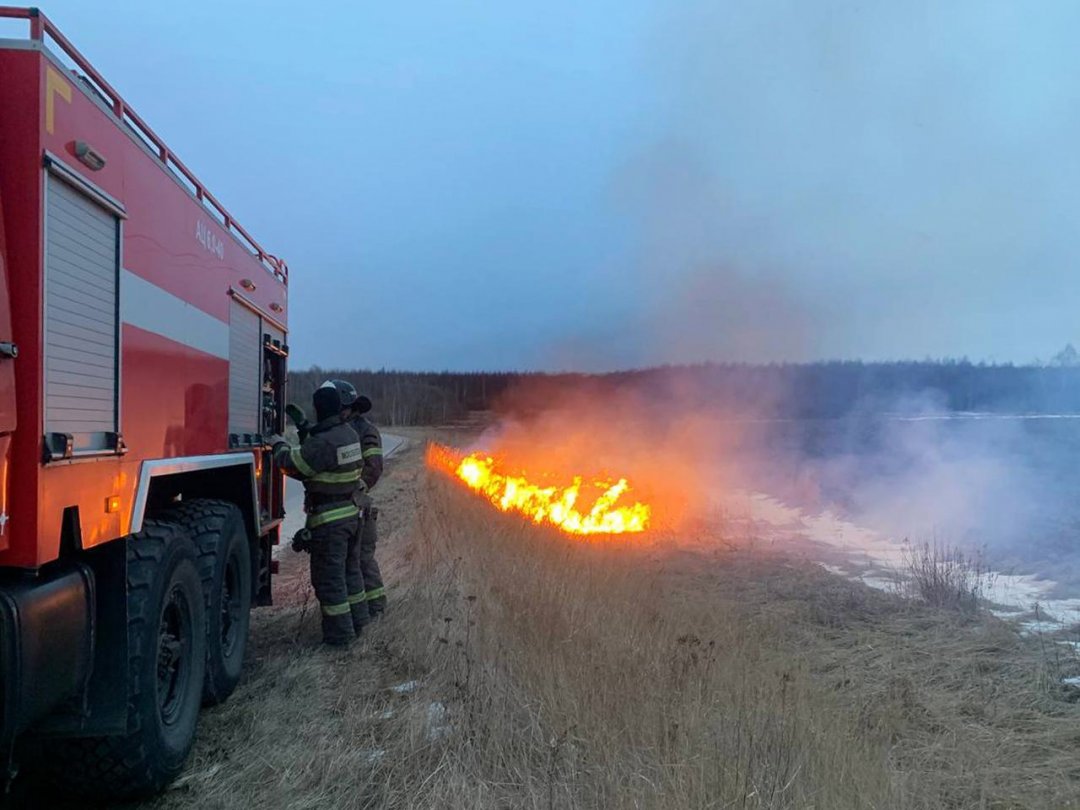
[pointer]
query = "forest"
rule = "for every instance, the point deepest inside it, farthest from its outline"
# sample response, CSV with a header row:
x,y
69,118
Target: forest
x,y
825,390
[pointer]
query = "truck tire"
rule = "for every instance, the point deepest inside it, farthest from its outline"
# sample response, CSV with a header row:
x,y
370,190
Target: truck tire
x,y
166,662
221,541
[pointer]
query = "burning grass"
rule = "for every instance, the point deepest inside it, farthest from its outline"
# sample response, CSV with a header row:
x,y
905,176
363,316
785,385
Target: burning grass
x,y
536,671
575,506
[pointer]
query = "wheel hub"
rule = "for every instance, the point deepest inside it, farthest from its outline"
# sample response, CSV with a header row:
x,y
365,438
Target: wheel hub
x,y
173,656
232,606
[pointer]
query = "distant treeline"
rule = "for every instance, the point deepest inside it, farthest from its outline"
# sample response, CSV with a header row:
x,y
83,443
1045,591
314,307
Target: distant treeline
x,y
811,390
408,397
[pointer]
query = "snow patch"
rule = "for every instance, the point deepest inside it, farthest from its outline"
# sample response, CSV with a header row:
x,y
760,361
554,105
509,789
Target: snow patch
x,y
873,552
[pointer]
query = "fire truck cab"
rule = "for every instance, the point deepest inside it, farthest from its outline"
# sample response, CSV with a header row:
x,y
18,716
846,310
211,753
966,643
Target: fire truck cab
x,y
142,365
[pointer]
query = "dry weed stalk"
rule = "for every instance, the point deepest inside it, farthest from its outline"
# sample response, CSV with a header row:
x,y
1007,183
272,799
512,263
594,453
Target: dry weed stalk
x,y
946,576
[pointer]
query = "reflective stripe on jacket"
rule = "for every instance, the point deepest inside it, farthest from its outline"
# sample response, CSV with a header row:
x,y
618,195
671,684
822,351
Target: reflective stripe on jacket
x,y
371,444
329,463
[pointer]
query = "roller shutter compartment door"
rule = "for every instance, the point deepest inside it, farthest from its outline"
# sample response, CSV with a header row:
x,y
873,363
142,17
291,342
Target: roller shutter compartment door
x,y
81,336
272,384
272,332
245,360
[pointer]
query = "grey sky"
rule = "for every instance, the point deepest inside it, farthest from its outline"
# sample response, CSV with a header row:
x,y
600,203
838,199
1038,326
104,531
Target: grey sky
x,y
592,185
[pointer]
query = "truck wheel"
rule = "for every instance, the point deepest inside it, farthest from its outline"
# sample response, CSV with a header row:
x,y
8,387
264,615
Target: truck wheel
x,y
217,527
166,663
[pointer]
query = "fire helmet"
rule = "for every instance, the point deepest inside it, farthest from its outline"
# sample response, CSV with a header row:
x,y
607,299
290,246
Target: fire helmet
x,y
332,397
347,392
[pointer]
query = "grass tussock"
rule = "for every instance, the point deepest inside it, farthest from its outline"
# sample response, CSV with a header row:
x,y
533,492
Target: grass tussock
x,y
520,668
946,576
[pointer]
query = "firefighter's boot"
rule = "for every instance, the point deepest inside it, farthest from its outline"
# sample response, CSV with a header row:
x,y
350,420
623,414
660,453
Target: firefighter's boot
x,y
373,582
329,547
354,582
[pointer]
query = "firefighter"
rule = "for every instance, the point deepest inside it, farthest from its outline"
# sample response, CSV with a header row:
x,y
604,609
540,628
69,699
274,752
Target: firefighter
x,y
371,444
328,462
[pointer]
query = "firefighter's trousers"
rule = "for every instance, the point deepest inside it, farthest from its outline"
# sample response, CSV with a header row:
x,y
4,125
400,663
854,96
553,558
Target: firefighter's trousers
x,y
338,580
376,592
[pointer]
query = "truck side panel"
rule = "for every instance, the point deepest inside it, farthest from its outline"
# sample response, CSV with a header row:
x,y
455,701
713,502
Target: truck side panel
x,y
186,386
21,116
8,352
170,239
178,270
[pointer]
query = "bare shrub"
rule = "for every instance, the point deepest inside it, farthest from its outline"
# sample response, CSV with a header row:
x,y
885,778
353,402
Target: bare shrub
x,y
946,576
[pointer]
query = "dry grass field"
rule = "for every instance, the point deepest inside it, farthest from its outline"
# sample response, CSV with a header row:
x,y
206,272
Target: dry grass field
x,y
519,668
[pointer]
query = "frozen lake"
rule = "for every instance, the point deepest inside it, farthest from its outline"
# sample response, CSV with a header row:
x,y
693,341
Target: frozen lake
x,y
1003,486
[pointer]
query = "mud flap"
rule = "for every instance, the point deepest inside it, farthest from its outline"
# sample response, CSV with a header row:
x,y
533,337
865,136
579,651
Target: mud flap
x,y
40,670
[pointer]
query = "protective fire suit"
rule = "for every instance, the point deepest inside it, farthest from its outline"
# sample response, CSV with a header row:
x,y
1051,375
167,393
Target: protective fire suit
x,y
371,444
328,462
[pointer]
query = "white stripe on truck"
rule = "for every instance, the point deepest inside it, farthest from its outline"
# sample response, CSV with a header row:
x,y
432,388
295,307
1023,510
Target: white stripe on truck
x,y
149,307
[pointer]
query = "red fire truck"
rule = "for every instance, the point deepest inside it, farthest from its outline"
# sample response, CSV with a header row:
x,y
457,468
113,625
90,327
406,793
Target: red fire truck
x,y
142,365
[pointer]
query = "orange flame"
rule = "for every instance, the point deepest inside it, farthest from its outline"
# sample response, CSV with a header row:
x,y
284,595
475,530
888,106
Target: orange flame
x,y
560,506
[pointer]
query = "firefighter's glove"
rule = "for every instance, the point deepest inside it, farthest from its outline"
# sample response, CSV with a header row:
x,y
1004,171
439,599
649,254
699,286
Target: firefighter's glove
x,y
295,413
299,418
302,541
276,441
